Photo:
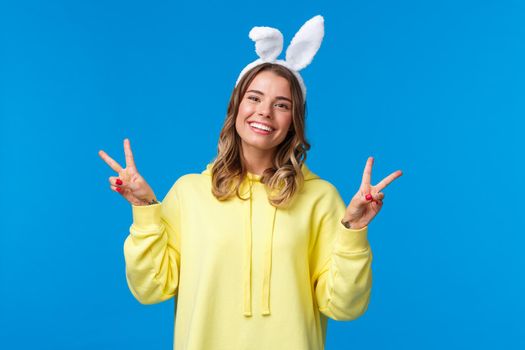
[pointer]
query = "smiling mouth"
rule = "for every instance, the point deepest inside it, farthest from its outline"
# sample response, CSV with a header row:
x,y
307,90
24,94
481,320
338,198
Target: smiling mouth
x,y
261,128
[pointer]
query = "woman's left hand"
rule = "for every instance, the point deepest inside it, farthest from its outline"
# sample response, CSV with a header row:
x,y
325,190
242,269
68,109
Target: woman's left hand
x,y
368,201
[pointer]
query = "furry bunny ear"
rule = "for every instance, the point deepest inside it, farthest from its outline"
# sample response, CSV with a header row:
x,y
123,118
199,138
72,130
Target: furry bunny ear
x,y
305,43
268,42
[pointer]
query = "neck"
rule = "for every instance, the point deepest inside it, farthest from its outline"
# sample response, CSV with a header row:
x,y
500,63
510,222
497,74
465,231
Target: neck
x,y
257,161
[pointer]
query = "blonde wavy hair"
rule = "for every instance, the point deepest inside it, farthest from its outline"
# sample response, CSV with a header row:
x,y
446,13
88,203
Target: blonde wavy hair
x,y
285,177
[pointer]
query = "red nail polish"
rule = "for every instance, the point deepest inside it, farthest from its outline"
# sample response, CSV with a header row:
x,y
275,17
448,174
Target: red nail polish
x,y
119,182
118,189
368,197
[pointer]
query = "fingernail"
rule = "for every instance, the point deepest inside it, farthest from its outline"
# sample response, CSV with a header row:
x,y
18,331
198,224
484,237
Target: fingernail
x,y
118,189
368,197
119,182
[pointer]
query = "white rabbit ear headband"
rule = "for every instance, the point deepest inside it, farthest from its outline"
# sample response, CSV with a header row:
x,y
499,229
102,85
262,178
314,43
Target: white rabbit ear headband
x,y
299,54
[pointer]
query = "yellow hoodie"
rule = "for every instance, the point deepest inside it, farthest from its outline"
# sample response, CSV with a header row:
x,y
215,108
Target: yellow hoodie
x,y
245,274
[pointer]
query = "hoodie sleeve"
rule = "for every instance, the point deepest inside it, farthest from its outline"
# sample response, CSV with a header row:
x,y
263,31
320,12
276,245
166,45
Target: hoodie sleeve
x,y
152,250
341,259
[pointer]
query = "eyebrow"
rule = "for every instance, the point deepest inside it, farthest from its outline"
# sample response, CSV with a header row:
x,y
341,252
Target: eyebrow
x,y
277,98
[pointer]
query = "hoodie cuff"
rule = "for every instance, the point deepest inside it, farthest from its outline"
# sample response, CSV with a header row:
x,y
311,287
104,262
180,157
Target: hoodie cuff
x,y
352,240
146,216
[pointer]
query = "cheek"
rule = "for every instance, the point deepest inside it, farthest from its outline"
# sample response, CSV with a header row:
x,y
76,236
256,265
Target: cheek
x,y
244,112
238,123
245,109
240,120
286,123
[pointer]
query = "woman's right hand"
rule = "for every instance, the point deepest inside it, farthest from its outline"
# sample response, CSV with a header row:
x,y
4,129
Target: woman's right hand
x,y
129,183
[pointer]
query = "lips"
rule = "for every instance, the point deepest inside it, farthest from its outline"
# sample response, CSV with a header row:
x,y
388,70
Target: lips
x,y
260,131
255,121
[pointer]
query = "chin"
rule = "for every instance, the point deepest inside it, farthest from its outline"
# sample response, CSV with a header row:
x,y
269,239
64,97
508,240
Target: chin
x,y
264,147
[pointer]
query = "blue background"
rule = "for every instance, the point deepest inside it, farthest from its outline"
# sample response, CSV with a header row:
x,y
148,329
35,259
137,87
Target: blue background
x,y
434,88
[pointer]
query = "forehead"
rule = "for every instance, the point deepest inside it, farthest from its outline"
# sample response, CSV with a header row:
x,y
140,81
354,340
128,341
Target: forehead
x,y
270,84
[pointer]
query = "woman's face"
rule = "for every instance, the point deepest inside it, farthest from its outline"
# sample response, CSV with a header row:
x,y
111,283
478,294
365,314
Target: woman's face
x,y
267,101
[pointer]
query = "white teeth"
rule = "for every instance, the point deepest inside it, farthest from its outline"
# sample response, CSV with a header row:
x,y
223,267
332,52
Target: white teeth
x,y
261,126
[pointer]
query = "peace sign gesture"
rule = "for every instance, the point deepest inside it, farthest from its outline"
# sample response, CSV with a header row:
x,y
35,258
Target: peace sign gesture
x,y
368,201
129,183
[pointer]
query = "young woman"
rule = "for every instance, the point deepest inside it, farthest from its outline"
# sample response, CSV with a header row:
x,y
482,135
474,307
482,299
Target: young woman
x,y
257,249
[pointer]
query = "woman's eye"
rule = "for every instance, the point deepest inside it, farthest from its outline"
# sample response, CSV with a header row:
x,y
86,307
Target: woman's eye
x,y
253,98
283,105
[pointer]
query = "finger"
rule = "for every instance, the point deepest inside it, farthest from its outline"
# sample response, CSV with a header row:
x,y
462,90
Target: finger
x,y
367,174
130,162
387,180
116,189
113,164
116,181
372,197
122,184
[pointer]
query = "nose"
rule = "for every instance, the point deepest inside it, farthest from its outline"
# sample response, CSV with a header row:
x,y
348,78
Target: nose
x,y
264,109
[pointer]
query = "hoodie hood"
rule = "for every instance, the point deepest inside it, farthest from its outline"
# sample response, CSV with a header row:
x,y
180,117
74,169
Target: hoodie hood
x,y
246,190
307,173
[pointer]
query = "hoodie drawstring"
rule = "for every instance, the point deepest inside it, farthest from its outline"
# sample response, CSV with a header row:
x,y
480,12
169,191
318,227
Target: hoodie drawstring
x,y
268,269
248,260
248,263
